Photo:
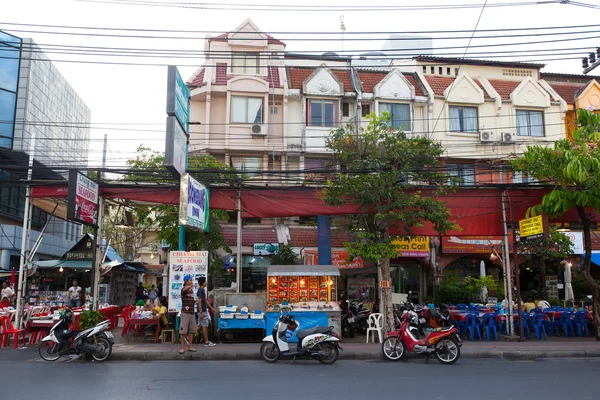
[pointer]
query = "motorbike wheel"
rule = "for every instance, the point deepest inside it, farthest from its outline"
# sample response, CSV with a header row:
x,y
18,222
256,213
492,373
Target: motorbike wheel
x,y
331,353
393,348
106,349
49,350
447,351
362,326
269,352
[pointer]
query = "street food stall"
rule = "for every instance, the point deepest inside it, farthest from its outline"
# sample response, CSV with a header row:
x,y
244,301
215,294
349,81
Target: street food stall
x,y
308,292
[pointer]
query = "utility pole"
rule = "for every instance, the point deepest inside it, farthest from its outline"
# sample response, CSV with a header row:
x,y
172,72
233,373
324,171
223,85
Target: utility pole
x,y
98,258
238,258
590,62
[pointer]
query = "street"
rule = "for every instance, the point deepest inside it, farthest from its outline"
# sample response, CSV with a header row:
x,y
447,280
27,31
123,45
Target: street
x,y
468,379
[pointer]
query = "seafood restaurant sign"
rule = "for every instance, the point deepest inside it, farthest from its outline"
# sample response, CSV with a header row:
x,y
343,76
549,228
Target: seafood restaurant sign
x,y
193,204
182,264
82,201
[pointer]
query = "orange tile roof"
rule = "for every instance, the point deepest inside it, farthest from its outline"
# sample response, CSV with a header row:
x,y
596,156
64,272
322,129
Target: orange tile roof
x,y
504,88
198,80
440,83
297,76
568,91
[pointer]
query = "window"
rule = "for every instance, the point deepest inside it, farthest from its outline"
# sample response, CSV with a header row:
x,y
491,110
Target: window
x,y
523,177
321,113
448,71
345,109
365,109
245,62
246,110
399,114
463,119
530,123
314,168
246,164
463,173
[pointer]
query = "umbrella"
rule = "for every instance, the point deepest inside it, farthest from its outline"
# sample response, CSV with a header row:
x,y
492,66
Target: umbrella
x,y
484,291
568,287
12,277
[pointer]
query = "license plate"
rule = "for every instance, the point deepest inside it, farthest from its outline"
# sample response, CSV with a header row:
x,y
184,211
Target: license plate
x,y
109,335
351,319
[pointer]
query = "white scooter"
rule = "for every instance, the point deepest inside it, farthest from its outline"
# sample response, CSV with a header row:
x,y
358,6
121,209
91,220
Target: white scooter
x,y
96,341
315,343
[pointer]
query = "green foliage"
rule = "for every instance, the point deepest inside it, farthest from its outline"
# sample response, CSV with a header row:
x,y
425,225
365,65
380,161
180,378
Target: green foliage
x,y
285,256
581,288
555,247
454,290
89,318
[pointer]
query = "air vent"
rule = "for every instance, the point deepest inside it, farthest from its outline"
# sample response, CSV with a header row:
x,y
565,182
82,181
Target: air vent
x,y
486,137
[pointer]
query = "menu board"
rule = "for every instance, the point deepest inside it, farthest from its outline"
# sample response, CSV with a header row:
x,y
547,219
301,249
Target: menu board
x,y
182,263
301,289
552,287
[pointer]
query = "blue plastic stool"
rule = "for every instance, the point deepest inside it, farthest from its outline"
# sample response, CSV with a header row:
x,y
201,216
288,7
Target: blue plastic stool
x,y
537,322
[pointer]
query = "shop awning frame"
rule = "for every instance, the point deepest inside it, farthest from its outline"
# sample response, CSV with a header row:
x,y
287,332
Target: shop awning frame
x,y
303,270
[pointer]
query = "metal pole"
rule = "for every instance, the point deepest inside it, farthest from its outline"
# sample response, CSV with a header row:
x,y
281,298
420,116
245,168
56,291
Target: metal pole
x,y
507,273
516,268
26,216
99,260
238,259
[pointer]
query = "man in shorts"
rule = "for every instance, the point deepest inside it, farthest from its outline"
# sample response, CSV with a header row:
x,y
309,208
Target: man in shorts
x,y
203,315
187,323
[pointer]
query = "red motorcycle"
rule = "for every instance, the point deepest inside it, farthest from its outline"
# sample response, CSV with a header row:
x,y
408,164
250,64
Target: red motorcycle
x,y
443,342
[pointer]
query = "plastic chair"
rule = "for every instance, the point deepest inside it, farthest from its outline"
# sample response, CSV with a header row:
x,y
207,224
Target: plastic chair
x,y
565,323
8,329
490,326
375,325
580,323
526,324
537,323
472,326
461,306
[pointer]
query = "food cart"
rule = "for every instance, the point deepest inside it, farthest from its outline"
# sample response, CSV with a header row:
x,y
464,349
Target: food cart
x,y
308,292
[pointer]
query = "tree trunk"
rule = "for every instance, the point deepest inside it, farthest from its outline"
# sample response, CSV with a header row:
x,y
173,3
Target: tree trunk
x,y
587,243
543,279
386,297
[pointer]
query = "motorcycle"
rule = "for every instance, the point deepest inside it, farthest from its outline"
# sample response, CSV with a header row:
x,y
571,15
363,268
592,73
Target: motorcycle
x,y
96,341
443,342
361,316
314,343
348,324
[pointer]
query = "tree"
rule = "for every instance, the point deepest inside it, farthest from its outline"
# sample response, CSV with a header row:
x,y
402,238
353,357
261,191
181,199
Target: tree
x,y
285,256
572,167
381,170
150,165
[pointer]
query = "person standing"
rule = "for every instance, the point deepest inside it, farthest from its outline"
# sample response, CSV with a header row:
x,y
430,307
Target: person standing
x,y
153,295
7,295
203,314
187,323
73,294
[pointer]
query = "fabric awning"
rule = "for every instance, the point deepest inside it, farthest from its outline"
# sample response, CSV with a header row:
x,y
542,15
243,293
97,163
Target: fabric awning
x,y
303,270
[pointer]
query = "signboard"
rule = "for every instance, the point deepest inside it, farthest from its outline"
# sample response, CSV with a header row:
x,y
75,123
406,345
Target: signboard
x,y
265,249
532,228
182,263
492,301
339,258
82,204
385,284
412,246
175,147
10,50
576,241
194,199
178,98
79,255
473,244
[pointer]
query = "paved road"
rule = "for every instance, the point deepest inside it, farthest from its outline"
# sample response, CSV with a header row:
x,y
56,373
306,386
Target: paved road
x,y
468,379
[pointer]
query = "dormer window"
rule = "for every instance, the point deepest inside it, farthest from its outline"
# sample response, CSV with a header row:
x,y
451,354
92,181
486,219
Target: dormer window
x,y
245,62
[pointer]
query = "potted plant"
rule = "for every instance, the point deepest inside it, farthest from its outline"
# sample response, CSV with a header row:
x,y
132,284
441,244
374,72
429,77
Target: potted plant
x,y
90,318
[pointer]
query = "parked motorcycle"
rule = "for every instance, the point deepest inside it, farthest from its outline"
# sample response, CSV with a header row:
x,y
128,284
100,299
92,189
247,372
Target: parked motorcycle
x,y
348,324
361,316
313,343
96,341
443,342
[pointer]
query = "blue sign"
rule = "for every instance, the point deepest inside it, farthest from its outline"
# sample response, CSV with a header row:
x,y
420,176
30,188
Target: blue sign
x,y
178,98
10,58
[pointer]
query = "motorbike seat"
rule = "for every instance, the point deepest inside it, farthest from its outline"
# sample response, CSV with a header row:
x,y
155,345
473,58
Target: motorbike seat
x,y
302,333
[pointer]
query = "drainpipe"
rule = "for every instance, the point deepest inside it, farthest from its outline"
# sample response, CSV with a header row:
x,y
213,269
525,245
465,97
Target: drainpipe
x,y
356,87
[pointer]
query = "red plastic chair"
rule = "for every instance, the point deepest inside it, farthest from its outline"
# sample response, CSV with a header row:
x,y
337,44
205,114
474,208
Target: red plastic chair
x,y
125,315
8,329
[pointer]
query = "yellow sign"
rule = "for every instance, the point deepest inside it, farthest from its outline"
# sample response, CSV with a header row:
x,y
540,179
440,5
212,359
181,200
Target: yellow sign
x,y
412,246
531,228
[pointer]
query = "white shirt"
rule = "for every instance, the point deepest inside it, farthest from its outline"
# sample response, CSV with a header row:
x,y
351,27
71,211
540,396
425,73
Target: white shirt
x,y
543,304
74,292
6,293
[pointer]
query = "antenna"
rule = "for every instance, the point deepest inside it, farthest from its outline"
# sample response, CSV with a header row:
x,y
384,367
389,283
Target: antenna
x,y
343,29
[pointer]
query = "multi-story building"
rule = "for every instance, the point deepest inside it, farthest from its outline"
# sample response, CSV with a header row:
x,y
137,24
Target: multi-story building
x,y
53,121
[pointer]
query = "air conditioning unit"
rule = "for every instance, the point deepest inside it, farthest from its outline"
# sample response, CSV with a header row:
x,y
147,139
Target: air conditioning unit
x,y
508,137
259,130
486,137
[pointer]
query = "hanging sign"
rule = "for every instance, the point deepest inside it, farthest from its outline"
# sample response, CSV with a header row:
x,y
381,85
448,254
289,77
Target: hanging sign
x,y
412,246
194,199
533,228
182,263
265,249
178,98
175,147
82,200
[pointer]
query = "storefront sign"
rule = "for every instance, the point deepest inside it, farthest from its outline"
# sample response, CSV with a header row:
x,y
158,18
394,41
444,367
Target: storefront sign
x,y
385,284
82,202
182,263
265,249
338,258
194,199
576,241
175,147
178,98
412,246
472,244
532,228
79,255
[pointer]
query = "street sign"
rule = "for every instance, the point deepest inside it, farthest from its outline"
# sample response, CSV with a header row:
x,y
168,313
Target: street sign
x,y
175,147
178,98
194,201
533,228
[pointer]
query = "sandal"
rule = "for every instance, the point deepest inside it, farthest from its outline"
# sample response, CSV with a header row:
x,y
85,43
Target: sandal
x,y
181,351
192,350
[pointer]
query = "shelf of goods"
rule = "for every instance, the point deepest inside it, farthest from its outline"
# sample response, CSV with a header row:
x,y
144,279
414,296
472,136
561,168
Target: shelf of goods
x,y
310,291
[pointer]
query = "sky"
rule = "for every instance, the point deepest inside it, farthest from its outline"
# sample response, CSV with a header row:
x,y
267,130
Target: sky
x,y
128,100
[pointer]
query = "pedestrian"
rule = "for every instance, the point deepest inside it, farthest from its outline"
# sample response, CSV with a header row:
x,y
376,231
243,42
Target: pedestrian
x,y
187,322
542,304
7,295
153,294
139,292
143,302
74,294
203,315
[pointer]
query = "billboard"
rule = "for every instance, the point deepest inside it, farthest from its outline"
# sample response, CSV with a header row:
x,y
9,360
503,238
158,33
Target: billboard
x,y
194,199
10,59
175,147
473,244
82,200
178,98
182,263
412,246
339,258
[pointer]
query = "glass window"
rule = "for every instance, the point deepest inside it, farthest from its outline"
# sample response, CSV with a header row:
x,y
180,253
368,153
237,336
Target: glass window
x,y
246,110
245,62
463,119
463,173
321,113
246,164
399,114
10,51
530,123
8,102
